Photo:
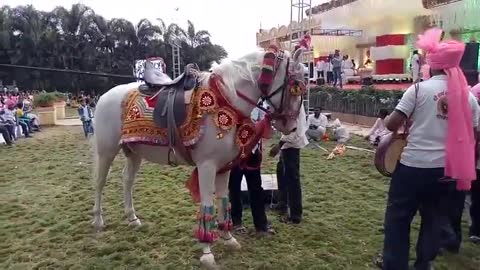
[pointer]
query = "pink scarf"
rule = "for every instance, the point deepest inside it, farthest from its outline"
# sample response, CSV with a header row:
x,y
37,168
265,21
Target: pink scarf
x,y
460,149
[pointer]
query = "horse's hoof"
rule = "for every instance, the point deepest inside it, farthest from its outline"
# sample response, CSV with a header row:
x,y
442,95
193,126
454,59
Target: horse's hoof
x,y
208,260
135,223
98,224
233,244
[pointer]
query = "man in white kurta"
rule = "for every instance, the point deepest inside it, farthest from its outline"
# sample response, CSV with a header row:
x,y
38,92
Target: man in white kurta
x,y
317,125
415,66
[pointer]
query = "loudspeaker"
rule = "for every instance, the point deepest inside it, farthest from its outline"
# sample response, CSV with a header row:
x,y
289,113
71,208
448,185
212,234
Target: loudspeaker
x,y
470,57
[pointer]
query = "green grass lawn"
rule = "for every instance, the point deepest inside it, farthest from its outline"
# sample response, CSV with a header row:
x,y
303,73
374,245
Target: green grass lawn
x,y
47,196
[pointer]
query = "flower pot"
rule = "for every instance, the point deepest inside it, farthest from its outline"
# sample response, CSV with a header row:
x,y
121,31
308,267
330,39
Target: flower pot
x,y
60,109
47,115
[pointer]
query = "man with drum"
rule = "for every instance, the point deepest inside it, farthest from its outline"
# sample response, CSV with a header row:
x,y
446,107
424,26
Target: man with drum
x,y
440,147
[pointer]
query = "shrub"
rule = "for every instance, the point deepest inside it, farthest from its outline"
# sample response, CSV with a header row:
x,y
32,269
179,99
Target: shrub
x,y
366,101
59,96
44,100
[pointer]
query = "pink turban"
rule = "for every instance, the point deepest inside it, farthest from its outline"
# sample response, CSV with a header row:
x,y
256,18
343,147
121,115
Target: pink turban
x,y
460,145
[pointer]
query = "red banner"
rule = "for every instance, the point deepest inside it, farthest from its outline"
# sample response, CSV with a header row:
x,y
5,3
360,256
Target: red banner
x,y
386,40
390,66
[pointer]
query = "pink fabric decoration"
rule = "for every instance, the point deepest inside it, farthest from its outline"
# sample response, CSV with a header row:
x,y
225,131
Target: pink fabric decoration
x,y
460,148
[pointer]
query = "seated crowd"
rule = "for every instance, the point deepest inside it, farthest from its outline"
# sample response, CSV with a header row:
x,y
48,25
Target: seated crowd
x,y
16,117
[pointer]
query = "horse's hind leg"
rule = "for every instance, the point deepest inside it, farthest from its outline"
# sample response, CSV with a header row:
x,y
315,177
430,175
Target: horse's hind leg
x,y
224,216
129,172
102,166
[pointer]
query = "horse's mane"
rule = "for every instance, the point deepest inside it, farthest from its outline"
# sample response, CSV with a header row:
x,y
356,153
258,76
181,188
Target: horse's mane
x,y
247,68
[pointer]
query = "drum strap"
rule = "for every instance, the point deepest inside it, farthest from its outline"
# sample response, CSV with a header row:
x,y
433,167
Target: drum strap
x,y
408,123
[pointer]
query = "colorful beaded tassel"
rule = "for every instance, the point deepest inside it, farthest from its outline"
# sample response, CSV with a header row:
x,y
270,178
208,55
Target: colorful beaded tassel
x,y
205,231
226,224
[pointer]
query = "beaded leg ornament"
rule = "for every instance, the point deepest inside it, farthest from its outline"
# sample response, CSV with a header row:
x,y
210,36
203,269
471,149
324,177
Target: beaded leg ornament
x,y
206,231
224,209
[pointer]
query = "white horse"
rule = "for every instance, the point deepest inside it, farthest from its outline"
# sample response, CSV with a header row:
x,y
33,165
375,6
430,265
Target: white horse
x,y
211,153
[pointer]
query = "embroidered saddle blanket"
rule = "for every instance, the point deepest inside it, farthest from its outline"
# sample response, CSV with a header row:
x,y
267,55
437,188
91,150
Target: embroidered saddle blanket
x,y
139,127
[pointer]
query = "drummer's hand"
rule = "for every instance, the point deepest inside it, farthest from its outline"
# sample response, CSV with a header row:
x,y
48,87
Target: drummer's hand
x,y
275,150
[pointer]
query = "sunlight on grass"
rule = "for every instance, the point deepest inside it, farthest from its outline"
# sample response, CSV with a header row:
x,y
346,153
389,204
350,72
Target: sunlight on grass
x,y
47,197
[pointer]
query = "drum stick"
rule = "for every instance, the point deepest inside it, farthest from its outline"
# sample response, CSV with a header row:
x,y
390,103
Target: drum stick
x,y
360,149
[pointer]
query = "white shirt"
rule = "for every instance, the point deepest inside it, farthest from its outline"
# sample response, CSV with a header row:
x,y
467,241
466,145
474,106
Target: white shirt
x,y
256,116
9,115
415,62
86,113
379,128
427,138
321,121
294,140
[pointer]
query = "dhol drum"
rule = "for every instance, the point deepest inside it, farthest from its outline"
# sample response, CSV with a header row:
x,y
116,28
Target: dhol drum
x,y
389,152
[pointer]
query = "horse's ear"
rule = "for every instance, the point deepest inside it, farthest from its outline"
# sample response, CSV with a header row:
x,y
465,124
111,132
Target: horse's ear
x,y
297,55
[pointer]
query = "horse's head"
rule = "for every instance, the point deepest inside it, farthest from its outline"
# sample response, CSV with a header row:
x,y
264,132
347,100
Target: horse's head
x,y
282,85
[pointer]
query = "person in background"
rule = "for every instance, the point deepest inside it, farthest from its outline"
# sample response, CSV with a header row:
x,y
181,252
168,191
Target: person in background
x,y
288,171
24,117
86,116
7,129
317,125
319,71
340,132
10,118
328,69
433,156
415,66
337,62
251,170
378,130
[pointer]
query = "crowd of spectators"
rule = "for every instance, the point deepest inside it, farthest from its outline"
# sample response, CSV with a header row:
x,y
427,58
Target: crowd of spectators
x,y
16,117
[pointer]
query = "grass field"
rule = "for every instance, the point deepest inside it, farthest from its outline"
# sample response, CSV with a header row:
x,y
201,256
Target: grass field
x,y
47,195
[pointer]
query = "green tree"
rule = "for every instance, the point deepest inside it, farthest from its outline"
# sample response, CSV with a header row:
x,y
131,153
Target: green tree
x,y
79,39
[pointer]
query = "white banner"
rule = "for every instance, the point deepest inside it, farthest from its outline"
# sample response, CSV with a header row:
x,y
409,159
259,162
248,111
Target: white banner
x,y
389,52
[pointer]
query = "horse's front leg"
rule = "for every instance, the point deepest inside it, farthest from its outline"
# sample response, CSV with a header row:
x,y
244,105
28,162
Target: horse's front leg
x,y
205,232
224,216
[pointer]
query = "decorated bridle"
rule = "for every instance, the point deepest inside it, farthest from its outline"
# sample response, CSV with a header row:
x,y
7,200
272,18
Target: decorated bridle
x,y
291,87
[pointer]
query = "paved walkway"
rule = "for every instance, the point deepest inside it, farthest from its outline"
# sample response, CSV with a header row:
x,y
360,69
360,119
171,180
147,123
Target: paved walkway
x,y
356,129
69,122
